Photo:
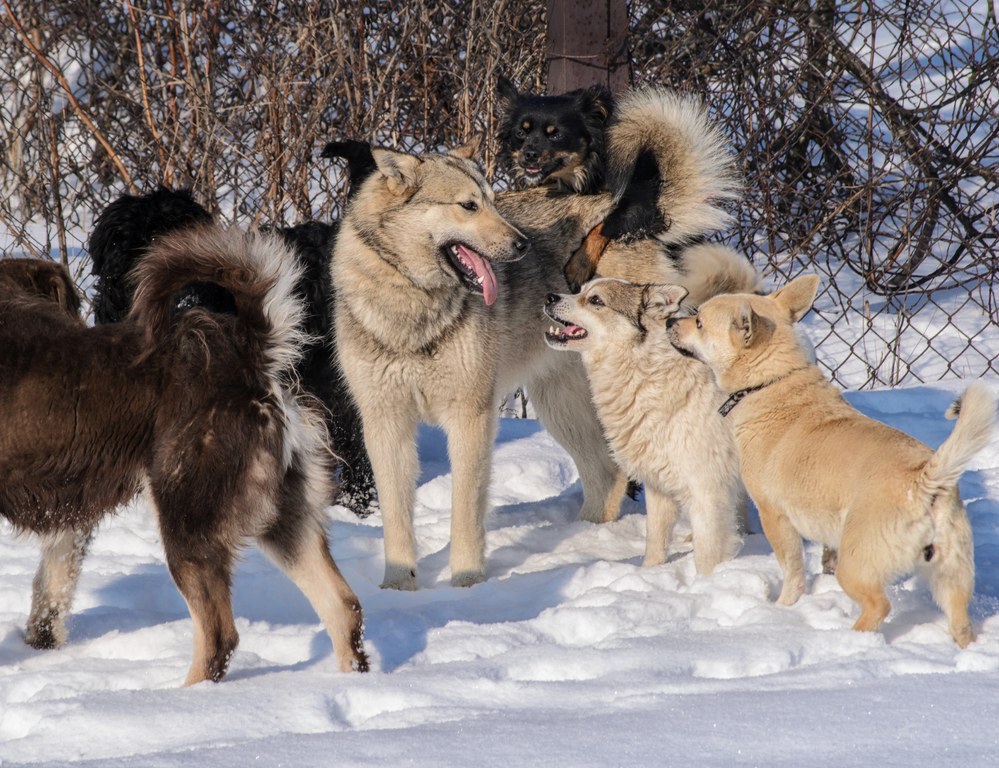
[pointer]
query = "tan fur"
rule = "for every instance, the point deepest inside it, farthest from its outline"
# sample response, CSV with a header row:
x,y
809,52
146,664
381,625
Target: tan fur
x,y
416,344
698,169
659,411
558,223
819,469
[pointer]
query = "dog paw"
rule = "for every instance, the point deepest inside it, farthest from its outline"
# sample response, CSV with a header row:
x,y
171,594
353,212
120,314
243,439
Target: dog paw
x,y
399,578
791,592
45,634
467,578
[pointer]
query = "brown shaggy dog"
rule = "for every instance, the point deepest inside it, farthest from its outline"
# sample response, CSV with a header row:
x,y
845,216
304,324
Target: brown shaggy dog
x,y
196,407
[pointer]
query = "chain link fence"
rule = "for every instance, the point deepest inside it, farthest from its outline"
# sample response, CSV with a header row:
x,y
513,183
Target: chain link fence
x,y
868,134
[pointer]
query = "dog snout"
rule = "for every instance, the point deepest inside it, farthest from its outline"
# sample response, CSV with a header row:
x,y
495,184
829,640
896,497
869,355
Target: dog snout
x,y
521,244
552,299
671,321
531,154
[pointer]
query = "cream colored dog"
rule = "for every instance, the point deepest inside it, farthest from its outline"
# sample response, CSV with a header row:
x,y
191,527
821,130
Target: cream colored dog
x,y
818,469
659,410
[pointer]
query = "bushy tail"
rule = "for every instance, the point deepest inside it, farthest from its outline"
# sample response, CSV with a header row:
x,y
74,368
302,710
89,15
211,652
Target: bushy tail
x,y
976,416
710,269
665,144
258,269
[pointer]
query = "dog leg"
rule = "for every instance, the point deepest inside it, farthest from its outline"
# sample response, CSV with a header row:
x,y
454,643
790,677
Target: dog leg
x,y
54,587
470,439
310,565
356,490
582,265
661,513
868,593
713,522
786,543
391,442
562,399
951,567
205,584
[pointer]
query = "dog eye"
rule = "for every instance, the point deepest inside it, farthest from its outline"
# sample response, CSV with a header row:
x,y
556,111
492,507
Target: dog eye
x,y
595,301
470,205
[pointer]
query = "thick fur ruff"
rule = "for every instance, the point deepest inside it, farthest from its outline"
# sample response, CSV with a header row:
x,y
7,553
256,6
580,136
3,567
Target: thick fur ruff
x,y
127,228
819,469
204,413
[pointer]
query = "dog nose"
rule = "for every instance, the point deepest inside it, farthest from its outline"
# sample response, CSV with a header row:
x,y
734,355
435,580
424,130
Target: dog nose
x,y
552,299
521,244
531,154
671,321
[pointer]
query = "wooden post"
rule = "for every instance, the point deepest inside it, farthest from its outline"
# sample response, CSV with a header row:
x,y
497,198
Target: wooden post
x,y
587,45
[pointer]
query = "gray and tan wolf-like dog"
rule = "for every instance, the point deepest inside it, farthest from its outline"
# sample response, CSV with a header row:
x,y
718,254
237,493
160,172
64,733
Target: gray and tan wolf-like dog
x,y
658,408
196,407
818,469
439,316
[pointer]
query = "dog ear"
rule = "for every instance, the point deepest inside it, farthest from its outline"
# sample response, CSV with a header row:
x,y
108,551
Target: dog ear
x,y
660,302
797,296
470,149
595,100
750,327
507,93
398,168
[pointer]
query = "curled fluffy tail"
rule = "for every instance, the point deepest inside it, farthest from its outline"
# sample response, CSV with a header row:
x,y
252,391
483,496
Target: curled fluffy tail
x,y
976,415
258,269
710,269
664,145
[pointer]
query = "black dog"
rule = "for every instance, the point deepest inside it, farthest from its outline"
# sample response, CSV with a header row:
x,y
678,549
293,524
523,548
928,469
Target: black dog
x,y
128,226
562,141
557,140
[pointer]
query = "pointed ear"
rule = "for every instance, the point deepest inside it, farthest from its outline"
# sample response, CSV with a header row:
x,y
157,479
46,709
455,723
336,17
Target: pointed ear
x,y
797,296
595,100
660,302
470,149
398,168
506,92
750,327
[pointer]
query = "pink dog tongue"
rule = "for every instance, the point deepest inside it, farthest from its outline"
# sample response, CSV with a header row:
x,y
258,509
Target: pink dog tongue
x,y
482,270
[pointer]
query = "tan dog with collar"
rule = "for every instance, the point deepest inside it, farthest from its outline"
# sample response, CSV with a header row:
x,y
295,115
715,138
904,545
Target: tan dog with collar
x,y
817,468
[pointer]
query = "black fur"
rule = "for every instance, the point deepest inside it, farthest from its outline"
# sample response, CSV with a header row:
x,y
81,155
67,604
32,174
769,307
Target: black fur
x,y
123,233
126,228
637,214
580,119
319,370
556,140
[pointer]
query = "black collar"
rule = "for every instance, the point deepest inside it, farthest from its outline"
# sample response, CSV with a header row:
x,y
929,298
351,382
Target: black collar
x,y
736,397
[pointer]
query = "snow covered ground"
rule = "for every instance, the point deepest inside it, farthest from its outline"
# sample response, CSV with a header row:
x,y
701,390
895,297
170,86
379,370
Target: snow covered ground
x,y
571,654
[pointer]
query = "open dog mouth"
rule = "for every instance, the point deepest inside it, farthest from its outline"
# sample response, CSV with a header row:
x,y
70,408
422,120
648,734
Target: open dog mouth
x,y
562,332
535,174
474,270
